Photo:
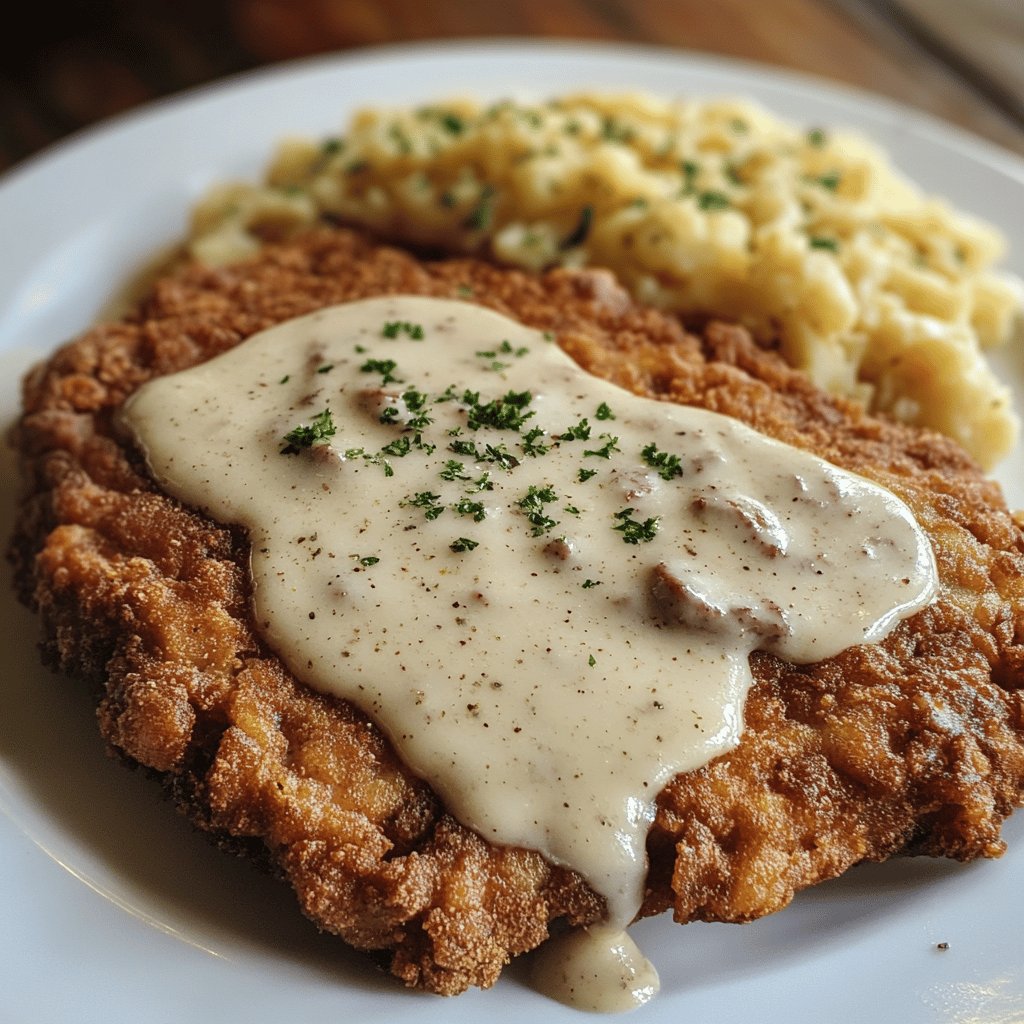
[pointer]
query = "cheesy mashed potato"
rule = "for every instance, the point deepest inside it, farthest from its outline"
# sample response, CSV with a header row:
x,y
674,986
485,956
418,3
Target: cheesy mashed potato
x,y
709,209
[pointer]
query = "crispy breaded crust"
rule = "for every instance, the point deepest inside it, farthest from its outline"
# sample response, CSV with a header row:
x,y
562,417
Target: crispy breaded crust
x,y
913,745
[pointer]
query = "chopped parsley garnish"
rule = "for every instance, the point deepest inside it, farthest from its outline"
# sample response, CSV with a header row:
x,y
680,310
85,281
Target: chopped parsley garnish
x,y
463,544
465,507
668,466
831,180
400,447
710,201
507,348
428,501
362,453
588,584
452,123
817,242
817,138
284,380
591,661
500,456
610,445
585,474
398,135
461,447
533,502
504,349
578,235
633,531
738,125
612,131
530,443
482,215
690,171
383,366
326,368
369,560
393,328
506,413
416,402
305,436
580,432
389,415
603,412
453,470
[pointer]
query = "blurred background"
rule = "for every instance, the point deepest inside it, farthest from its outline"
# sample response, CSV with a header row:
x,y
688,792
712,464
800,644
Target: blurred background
x,y
72,64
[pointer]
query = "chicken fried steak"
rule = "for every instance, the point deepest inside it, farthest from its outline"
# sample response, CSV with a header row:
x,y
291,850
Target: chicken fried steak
x,y
913,745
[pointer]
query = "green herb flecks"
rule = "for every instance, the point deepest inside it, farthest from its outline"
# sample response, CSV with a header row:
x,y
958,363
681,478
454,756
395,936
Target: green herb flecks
x,y
579,432
633,531
506,413
451,122
531,444
506,348
611,444
817,138
305,436
713,201
453,470
604,413
463,544
668,466
393,328
466,507
428,501
819,242
830,181
578,235
385,367
481,217
613,131
690,169
533,503
400,447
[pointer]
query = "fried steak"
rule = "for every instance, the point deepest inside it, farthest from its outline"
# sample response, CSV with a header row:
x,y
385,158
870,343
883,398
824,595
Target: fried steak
x,y
914,745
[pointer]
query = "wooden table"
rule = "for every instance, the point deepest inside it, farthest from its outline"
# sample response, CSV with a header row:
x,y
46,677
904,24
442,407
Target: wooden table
x,y
962,60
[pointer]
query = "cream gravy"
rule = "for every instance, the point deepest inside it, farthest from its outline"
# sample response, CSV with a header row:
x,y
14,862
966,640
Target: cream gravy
x,y
543,588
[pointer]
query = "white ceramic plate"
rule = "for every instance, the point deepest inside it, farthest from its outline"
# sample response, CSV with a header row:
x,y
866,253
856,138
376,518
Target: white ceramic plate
x,y
114,910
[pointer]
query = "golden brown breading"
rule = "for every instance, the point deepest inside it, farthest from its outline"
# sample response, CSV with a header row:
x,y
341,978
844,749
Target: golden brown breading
x,y
914,745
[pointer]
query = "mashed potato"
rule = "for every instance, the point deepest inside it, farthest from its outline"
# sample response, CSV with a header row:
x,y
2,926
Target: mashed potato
x,y
708,209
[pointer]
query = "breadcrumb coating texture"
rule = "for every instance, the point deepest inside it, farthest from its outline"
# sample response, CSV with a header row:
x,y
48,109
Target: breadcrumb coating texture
x,y
915,745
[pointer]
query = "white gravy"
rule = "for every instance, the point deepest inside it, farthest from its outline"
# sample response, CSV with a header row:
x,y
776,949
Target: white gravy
x,y
545,595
